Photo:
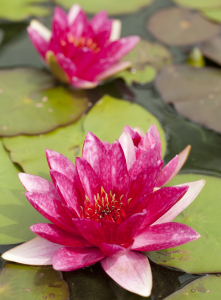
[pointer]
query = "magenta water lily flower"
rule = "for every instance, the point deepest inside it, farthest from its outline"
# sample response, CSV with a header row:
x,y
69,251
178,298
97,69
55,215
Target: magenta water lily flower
x,y
81,52
137,142
105,208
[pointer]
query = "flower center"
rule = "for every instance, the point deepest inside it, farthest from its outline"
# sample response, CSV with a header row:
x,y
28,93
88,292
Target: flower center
x,y
81,42
106,207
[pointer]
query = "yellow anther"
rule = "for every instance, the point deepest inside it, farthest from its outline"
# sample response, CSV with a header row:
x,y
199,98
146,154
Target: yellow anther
x,y
129,200
87,199
102,190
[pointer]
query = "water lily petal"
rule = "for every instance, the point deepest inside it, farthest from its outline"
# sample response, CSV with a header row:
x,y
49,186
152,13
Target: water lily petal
x,y
106,145
73,13
136,137
116,30
128,148
117,67
194,189
77,21
34,183
67,65
70,259
164,236
131,271
114,250
40,44
155,133
59,22
54,234
37,251
122,187
83,84
43,31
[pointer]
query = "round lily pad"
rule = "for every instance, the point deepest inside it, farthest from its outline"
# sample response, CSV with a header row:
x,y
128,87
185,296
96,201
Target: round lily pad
x,y
203,215
198,4
30,104
16,213
17,10
211,49
23,282
111,6
181,27
213,14
207,287
106,120
138,76
195,93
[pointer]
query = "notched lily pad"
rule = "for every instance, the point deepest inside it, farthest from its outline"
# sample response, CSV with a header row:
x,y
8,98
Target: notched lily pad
x,y
180,27
30,104
203,215
23,282
198,4
195,93
111,6
17,10
212,49
207,287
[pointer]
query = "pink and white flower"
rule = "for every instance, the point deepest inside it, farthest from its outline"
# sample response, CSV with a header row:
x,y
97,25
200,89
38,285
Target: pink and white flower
x,y
81,52
105,208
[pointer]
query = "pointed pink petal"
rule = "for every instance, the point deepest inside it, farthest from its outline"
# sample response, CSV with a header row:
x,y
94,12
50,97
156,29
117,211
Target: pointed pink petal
x,y
114,250
67,190
134,135
145,181
77,21
106,145
164,236
54,234
93,232
167,172
147,141
34,252
73,13
83,84
131,271
89,179
40,44
140,131
67,65
193,191
128,148
122,188
34,183
59,22
70,259
118,67
155,133
98,21
93,152
147,159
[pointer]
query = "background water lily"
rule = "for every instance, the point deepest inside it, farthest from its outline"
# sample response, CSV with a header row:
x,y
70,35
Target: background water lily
x,y
81,52
104,209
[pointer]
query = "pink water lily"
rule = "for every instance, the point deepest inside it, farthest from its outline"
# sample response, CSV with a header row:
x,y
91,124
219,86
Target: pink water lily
x,y
136,142
81,52
103,210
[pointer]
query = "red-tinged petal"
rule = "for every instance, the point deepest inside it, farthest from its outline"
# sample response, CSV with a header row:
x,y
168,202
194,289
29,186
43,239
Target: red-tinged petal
x,y
34,252
68,66
83,84
128,229
193,191
93,152
54,234
139,152
161,201
73,13
106,145
114,250
34,183
77,21
93,232
131,271
59,23
89,179
147,141
147,159
140,131
167,172
40,44
145,181
70,259
109,227
67,190
53,210
155,133
128,148
118,67
122,188
164,236
98,21
134,135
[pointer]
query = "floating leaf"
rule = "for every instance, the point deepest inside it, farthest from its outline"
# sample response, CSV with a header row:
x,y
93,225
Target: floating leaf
x,y
111,6
16,213
29,103
138,76
207,287
213,14
203,215
180,27
198,4
106,120
212,50
22,282
17,10
195,93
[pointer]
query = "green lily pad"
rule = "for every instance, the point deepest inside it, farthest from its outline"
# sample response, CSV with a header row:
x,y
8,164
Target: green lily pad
x,y
106,120
207,287
211,50
213,14
138,76
16,213
148,53
198,4
181,27
29,103
195,93
203,215
27,282
17,10
111,6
